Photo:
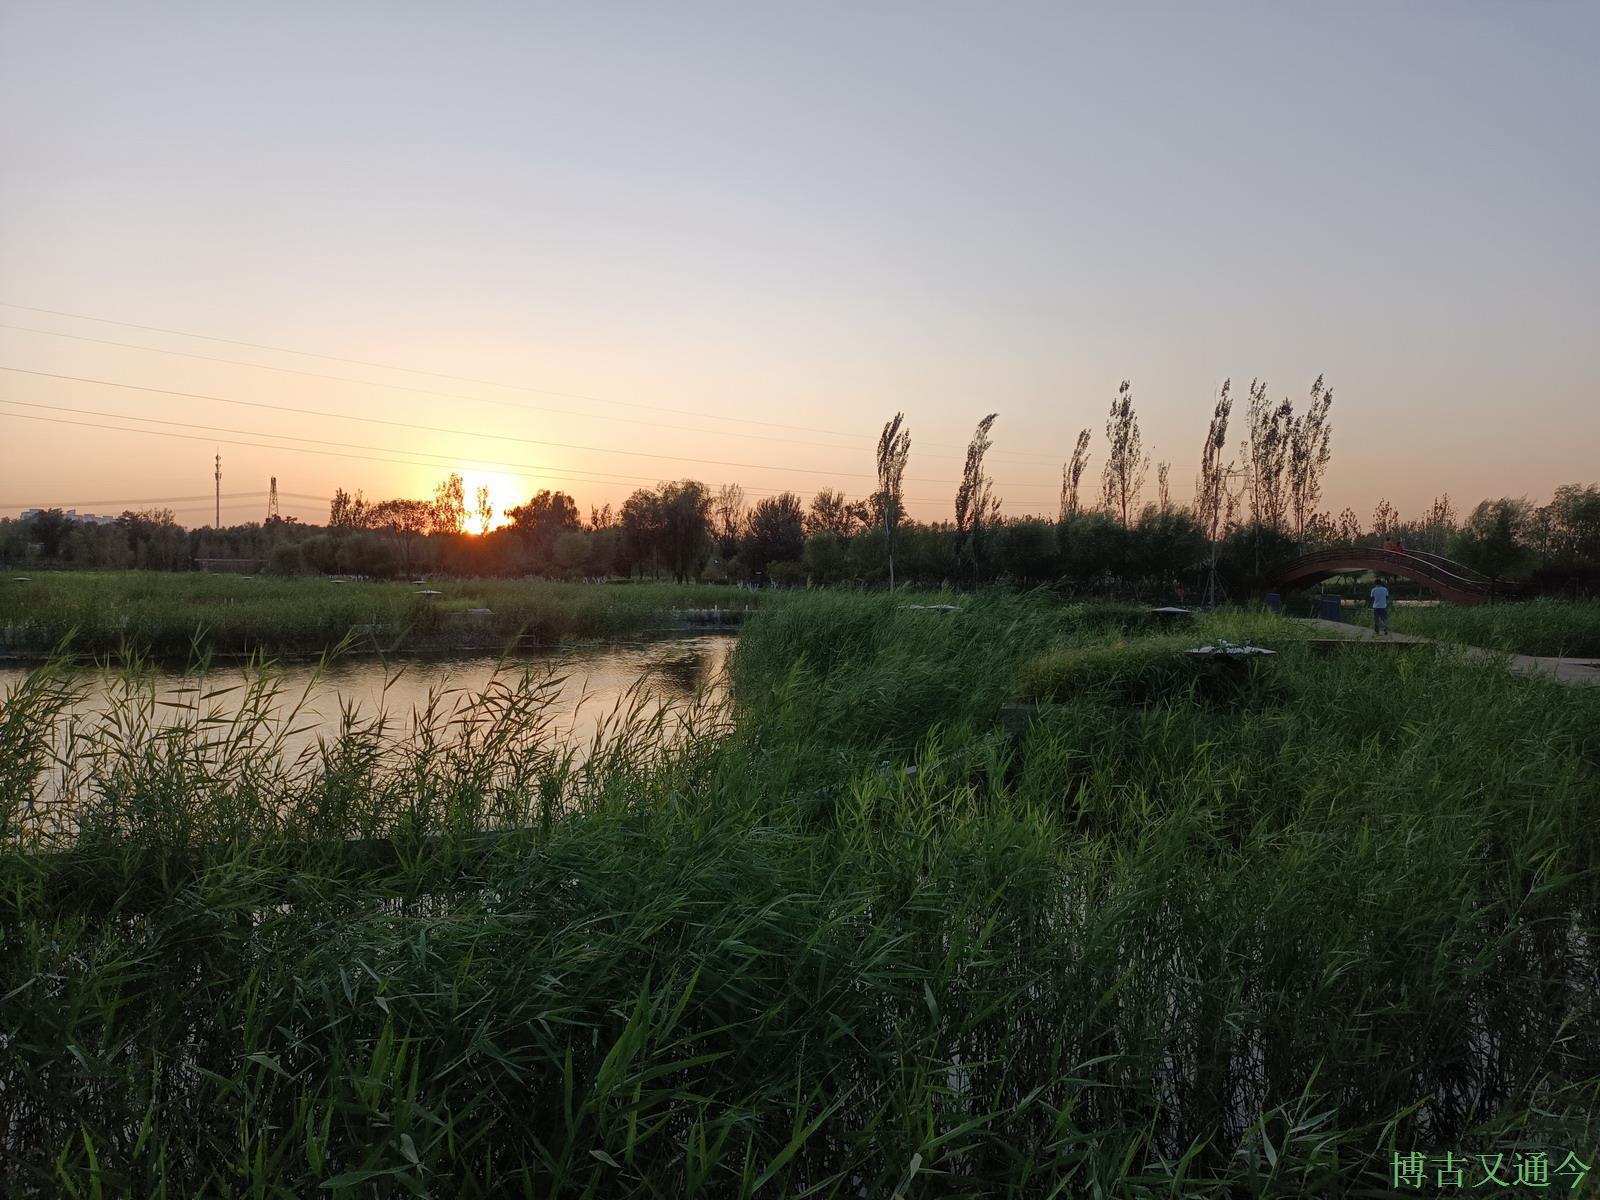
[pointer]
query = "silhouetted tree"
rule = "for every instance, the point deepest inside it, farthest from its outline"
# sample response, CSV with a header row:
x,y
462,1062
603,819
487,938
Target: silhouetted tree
x,y
775,534
543,516
683,526
1072,476
1568,527
349,512
1093,549
483,509
727,510
1310,448
1320,531
538,523
1494,539
1211,485
450,505
832,513
1026,550
642,528
894,448
1165,547
50,529
1384,519
1213,501
1350,532
826,557
1434,531
975,502
1267,457
1126,462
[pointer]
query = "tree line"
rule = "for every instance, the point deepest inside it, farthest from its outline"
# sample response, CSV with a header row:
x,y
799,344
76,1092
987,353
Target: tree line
x,y
1255,502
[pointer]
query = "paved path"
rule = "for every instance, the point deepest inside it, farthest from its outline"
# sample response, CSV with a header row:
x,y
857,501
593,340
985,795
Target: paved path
x,y
1562,670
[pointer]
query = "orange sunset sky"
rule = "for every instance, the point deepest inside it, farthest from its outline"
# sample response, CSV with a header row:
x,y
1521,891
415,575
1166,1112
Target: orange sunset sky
x,y
589,247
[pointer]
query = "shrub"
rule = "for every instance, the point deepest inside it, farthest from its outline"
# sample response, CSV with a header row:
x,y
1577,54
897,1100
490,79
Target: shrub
x,y
787,574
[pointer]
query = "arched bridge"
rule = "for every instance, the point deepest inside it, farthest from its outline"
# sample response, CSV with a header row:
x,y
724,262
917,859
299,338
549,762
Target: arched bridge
x,y
1448,579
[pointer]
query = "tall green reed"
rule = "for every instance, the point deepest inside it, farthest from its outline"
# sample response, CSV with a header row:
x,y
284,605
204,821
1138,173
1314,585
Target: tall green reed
x,y
846,937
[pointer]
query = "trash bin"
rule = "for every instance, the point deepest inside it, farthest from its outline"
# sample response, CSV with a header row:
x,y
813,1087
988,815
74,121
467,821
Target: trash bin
x,y
1328,608
1274,603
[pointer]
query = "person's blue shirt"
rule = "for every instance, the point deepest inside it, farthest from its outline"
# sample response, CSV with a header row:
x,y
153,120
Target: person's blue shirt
x,y
1380,596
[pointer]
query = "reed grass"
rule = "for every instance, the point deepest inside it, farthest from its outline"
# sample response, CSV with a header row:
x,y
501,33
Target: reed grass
x,y
173,615
848,937
1568,628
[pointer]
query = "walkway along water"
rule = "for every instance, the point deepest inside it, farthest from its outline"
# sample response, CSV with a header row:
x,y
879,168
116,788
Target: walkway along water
x,y
1577,671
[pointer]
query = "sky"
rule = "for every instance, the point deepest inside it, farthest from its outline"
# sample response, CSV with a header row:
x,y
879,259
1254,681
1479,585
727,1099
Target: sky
x,y
592,246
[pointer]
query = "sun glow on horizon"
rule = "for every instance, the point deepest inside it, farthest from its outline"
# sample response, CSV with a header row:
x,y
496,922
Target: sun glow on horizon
x,y
505,492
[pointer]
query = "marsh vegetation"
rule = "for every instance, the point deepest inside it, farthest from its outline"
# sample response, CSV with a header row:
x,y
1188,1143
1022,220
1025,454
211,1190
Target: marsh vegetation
x,y
1544,627
843,934
176,616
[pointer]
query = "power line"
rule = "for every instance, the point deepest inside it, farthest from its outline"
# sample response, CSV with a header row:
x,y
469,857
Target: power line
x,y
400,387
360,362
128,500
240,508
437,429
446,459
530,471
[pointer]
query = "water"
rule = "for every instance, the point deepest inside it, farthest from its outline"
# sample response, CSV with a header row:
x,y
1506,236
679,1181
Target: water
x,y
594,679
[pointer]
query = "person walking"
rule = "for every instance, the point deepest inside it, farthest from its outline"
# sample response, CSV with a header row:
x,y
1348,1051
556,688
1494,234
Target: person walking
x,y
1380,608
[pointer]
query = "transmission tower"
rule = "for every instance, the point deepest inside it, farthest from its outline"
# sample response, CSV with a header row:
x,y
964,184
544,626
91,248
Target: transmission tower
x,y
272,501
217,476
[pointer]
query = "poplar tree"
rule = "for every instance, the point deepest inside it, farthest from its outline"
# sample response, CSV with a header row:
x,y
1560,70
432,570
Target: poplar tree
x,y
1267,457
1126,462
894,448
975,502
1210,486
1310,448
1072,474
483,509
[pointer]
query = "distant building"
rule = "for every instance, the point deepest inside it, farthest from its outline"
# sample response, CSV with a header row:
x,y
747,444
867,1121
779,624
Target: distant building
x,y
74,516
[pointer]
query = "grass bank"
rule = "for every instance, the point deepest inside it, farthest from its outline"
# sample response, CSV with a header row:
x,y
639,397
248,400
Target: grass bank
x,y
850,938
171,614
1545,627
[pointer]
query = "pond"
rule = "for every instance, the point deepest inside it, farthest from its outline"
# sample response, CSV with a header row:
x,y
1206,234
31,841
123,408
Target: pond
x,y
584,684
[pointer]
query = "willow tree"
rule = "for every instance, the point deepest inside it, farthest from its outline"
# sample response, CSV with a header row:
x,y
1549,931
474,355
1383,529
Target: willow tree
x,y
975,501
1126,462
894,448
1072,475
727,514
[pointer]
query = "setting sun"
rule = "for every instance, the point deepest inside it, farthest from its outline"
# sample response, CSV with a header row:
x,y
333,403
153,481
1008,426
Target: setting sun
x,y
994,599
503,493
